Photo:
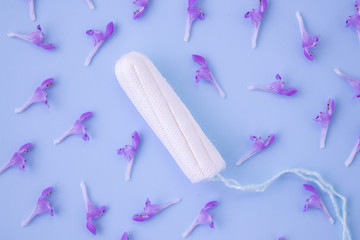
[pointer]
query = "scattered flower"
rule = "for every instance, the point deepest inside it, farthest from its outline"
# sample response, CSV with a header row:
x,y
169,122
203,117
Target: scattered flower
x,y
42,206
308,40
204,73
276,87
203,218
125,236
18,160
353,153
35,37
354,20
91,4
353,82
92,211
78,128
129,152
151,210
193,13
98,39
40,95
256,16
142,4
32,11
324,119
259,144
315,201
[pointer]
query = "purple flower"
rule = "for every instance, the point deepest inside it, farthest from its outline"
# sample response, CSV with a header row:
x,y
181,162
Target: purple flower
x,y
151,210
40,95
353,153
204,73
42,206
324,119
18,160
98,39
276,87
91,4
125,236
35,37
142,4
259,144
92,211
354,20
353,82
193,13
315,201
307,39
256,16
281,238
203,218
129,152
78,128
32,11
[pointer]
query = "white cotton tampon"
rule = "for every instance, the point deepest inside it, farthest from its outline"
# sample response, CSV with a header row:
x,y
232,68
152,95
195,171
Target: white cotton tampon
x,y
168,117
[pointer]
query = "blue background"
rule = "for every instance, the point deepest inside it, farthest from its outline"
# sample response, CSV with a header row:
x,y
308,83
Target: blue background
x,y
224,39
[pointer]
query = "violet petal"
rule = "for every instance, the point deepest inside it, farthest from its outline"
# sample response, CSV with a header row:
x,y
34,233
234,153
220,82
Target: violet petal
x,y
42,206
256,16
259,144
129,152
308,41
18,160
151,210
205,74
92,211
98,39
125,236
354,83
193,13
143,5
315,202
36,38
40,95
324,119
276,87
78,128
203,218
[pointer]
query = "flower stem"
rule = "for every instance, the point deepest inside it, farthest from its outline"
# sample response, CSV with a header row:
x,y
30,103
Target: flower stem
x,y
60,139
166,205
301,23
323,136
254,37
27,221
90,3
246,157
188,29
92,53
190,229
32,11
6,166
128,170
328,216
251,88
18,35
220,91
85,194
19,110
352,155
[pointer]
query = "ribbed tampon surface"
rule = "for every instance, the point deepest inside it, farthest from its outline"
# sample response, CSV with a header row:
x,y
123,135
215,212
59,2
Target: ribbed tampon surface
x,y
168,117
